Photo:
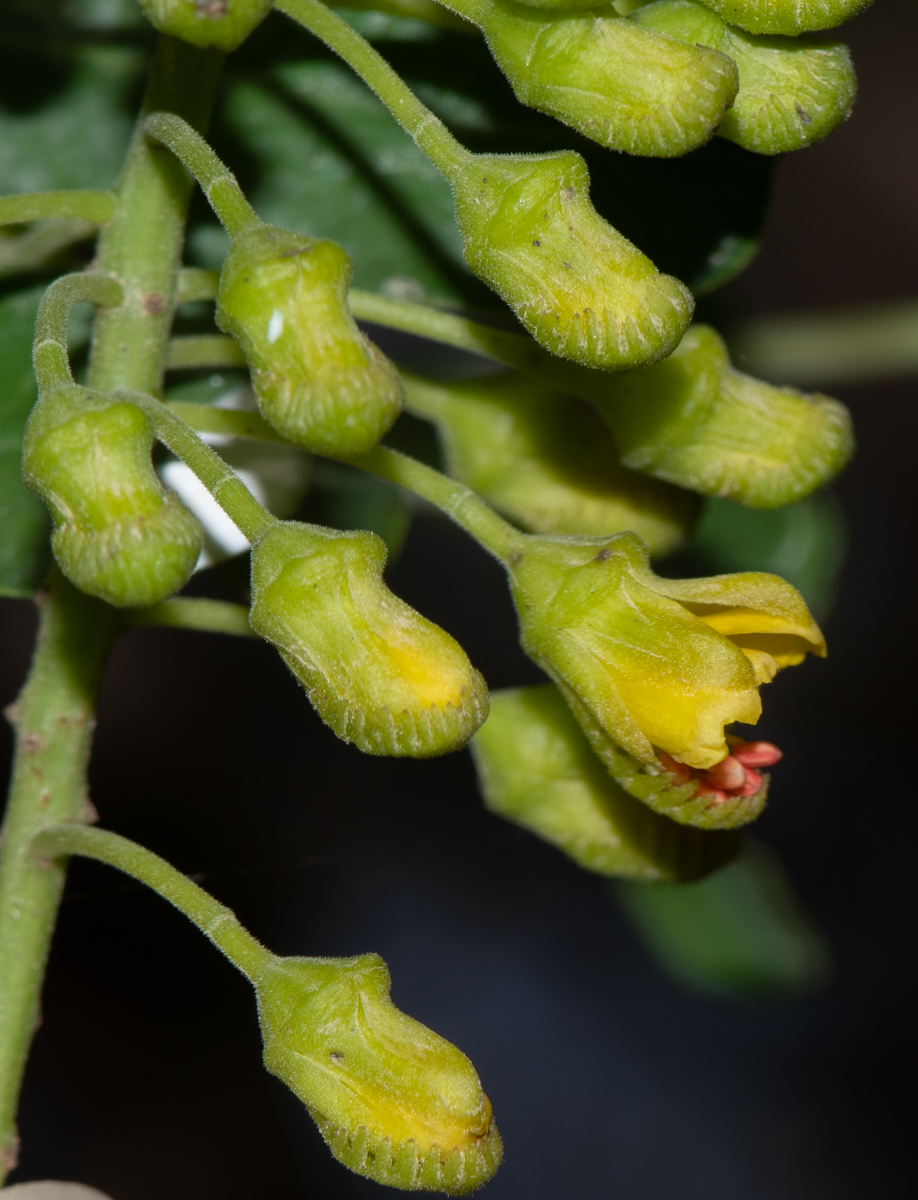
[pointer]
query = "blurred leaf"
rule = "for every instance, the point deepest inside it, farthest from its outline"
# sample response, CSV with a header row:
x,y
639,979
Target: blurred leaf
x,y
742,932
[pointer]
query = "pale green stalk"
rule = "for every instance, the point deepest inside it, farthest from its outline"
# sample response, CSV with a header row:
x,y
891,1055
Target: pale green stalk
x,y
197,283
50,358
203,350
96,207
186,612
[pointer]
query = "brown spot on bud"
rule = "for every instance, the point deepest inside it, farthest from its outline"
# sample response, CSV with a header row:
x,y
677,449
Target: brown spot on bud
x,y
154,304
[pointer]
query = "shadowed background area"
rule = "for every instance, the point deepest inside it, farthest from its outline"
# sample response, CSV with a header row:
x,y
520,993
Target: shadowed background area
x,y
606,1078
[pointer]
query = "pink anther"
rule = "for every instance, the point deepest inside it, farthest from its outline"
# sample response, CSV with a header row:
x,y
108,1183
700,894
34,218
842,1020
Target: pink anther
x,y
727,775
756,754
682,773
752,784
715,795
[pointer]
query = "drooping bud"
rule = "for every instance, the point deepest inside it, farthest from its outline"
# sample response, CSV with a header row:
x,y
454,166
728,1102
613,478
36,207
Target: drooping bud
x,y
624,86
696,421
787,16
222,24
536,768
376,671
319,381
792,91
582,290
394,1101
118,533
547,461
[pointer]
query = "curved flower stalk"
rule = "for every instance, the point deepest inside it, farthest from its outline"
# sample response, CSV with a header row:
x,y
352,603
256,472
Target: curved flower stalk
x,y
787,16
222,24
536,768
792,91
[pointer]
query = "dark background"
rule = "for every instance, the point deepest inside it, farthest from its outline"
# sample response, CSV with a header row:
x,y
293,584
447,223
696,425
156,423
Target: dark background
x,y
607,1079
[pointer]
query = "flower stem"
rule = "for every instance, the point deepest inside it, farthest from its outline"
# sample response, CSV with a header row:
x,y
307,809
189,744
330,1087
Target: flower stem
x,y
96,207
215,920
49,350
204,350
186,612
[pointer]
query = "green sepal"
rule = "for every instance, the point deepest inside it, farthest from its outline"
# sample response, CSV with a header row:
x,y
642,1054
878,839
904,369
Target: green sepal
x,y
787,16
792,91
222,24
318,380
582,290
626,87
536,768
377,672
394,1101
117,532
697,422
546,461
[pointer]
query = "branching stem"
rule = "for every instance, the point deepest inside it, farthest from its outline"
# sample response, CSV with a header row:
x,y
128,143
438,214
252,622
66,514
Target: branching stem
x,y
49,350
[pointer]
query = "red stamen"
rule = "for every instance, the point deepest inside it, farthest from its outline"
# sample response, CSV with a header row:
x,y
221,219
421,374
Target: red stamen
x,y
682,773
716,795
727,775
752,784
756,754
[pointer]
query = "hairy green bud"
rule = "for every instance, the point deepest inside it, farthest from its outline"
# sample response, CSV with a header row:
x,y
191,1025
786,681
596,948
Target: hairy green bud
x,y
319,381
394,1101
222,24
546,460
118,533
536,768
582,290
376,671
792,91
787,16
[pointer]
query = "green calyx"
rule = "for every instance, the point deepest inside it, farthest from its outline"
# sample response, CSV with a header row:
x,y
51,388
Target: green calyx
x,y
792,91
546,461
536,768
394,1101
118,533
696,421
377,672
319,381
582,290
222,24
787,16
626,87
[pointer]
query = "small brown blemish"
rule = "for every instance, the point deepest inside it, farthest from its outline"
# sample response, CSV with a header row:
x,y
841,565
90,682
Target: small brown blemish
x,y
211,10
32,742
515,558
536,242
336,1056
605,553
802,113
154,304
567,265
44,798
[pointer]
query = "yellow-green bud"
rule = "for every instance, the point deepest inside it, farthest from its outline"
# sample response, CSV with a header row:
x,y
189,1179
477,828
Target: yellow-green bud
x,y
626,87
582,290
376,671
792,91
546,460
223,24
787,16
393,1100
697,422
319,381
536,768
118,533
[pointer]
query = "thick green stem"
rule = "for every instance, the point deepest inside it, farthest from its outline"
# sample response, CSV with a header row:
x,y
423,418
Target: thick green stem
x,y
53,720
204,350
186,612
215,920
95,207
197,283
49,350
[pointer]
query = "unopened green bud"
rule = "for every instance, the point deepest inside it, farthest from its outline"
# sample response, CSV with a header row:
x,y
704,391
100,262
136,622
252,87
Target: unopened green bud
x,y
546,460
792,91
376,671
536,768
393,1100
118,533
697,422
582,290
319,381
787,16
626,87
222,24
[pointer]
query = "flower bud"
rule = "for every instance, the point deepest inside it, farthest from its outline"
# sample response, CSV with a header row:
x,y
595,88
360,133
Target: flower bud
x,y
223,24
624,86
582,290
376,671
792,91
787,16
118,533
536,768
394,1101
319,381
547,461
697,422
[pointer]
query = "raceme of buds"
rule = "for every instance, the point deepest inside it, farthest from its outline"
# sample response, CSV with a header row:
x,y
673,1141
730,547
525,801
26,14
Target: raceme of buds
x,y
547,461
582,290
536,768
697,422
626,87
655,665
393,1100
319,381
792,91
380,674
787,16
223,24
118,533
